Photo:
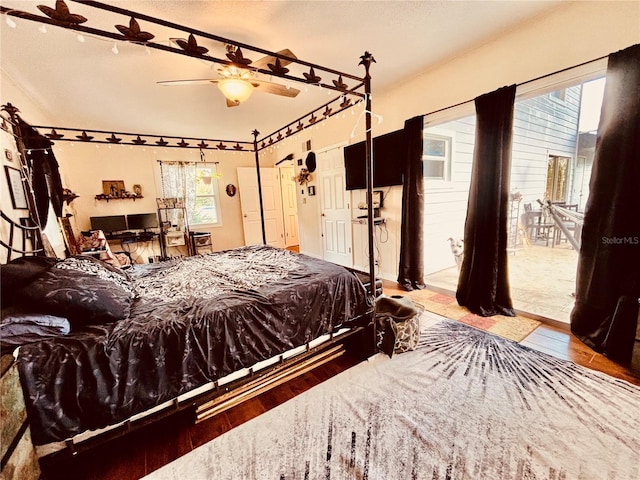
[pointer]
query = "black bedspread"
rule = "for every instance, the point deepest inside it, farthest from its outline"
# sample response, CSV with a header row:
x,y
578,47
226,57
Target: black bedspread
x,y
191,322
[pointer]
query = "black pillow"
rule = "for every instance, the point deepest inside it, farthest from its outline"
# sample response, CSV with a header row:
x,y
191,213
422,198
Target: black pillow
x,y
82,289
20,272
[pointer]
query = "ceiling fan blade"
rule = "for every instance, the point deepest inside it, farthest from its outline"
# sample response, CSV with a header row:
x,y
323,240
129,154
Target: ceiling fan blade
x,y
275,88
262,62
203,81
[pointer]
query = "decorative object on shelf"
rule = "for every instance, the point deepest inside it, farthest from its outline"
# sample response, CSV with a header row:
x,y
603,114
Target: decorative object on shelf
x,y
16,188
113,188
170,202
137,190
231,190
68,196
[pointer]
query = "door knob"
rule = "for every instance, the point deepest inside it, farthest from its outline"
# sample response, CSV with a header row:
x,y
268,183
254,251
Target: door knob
x,y
245,215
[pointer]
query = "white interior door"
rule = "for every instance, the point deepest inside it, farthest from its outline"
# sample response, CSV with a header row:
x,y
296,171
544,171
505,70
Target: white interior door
x,y
250,205
289,206
335,208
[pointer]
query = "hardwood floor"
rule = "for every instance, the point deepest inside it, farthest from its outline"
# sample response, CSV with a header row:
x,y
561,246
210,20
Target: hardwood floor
x,y
146,450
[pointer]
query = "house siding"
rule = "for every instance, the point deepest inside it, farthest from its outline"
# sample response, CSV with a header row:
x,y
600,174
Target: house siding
x,y
543,126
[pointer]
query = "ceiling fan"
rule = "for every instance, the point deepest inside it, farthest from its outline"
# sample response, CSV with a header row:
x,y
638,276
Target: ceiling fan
x,y
238,80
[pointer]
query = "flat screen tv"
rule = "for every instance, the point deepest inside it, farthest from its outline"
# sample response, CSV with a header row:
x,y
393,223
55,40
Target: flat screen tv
x,y
109,224
388,162
142,221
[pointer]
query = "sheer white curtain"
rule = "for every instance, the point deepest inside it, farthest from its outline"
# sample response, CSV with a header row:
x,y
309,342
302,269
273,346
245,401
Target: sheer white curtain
x,y
178,180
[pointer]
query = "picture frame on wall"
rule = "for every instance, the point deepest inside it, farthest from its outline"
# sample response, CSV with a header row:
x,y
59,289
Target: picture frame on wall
x,y
16,188
113,188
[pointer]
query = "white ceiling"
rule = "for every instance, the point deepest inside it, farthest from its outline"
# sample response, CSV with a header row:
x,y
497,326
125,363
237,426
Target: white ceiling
x,y
86,85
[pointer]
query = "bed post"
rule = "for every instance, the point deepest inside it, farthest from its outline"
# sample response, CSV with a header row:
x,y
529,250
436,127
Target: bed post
x,y
255,134
366,60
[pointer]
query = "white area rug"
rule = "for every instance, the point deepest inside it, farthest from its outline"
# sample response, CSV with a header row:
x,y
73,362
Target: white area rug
x,y
465,405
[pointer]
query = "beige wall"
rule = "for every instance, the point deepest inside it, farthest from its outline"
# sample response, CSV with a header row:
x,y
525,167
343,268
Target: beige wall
x,y
83,167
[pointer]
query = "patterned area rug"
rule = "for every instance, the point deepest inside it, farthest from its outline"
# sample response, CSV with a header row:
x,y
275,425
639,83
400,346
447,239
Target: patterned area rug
x,y
465,405
513,328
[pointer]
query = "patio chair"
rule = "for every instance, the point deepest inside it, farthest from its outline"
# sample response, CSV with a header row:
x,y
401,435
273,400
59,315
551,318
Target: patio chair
x,y
539,226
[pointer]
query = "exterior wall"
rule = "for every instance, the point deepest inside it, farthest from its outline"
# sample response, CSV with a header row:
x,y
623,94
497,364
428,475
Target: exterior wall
x,y
543,126
445,203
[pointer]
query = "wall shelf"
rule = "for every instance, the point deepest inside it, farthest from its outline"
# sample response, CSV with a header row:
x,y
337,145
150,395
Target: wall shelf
x,y
102,196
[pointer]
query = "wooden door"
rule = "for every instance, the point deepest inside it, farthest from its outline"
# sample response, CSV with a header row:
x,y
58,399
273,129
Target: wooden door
x,y
250,206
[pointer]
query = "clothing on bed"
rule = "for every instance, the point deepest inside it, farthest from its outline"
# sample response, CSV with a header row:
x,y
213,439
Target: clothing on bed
x,y
191,322
19,327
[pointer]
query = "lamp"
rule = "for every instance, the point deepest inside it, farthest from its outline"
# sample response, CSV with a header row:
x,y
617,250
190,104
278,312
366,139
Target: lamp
x,y
235,89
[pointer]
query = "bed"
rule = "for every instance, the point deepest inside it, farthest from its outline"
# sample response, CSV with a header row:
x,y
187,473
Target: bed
x,y
141,344
144,338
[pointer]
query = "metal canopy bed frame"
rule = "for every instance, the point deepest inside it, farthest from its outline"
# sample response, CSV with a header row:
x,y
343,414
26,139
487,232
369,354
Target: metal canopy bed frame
x,y
62,17
227,394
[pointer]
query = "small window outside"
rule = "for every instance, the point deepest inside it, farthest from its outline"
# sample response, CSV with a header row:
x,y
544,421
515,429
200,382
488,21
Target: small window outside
x,y
436,157
560,95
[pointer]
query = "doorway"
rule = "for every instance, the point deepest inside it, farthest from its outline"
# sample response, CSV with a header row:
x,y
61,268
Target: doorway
x,y
335,208
250,205
289,206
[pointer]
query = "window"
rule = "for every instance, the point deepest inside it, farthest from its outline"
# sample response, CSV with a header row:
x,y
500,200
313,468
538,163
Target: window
x,y
560,95
436,157
557,171
205,209
197,183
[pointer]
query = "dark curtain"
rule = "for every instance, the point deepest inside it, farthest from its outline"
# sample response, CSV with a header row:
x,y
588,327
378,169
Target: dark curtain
x,y
483,285
411,268
608,280
45,176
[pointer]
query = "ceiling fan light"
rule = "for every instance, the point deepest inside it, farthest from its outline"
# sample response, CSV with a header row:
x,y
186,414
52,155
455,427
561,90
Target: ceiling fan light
x,y
235,90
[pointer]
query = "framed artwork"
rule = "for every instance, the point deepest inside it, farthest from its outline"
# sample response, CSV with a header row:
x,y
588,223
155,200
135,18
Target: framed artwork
x,y
113,188
16,188
311,190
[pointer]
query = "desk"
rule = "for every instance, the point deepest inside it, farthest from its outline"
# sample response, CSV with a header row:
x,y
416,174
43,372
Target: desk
x,y
132,237
128,238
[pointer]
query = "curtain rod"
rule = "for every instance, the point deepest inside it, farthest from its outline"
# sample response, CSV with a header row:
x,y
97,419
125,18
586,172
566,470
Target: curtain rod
x,y
546,75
